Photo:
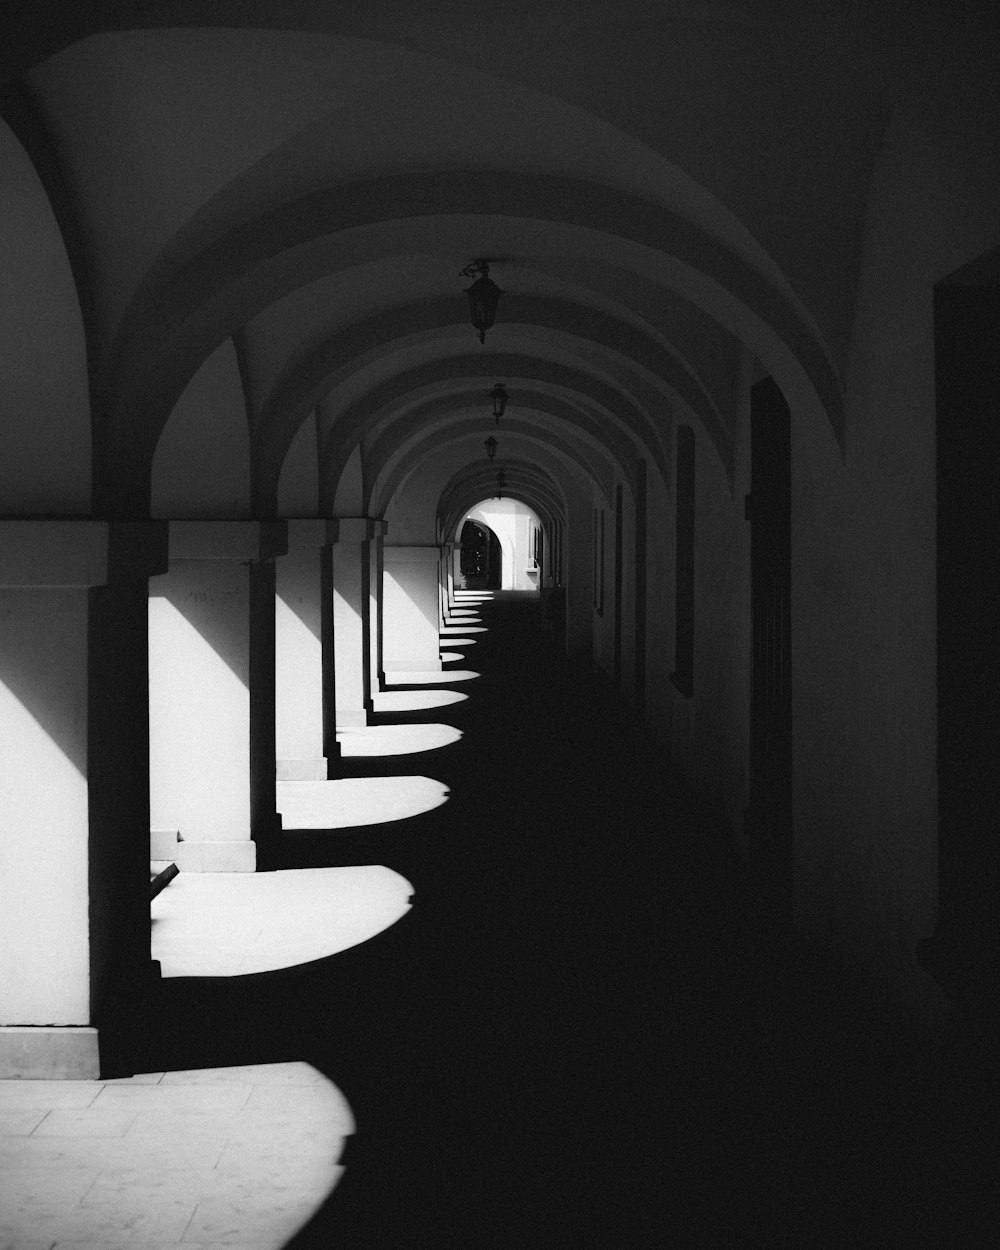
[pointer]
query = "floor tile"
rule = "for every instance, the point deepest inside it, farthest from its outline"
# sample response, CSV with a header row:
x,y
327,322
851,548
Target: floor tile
x,y
85,1122
60,1153
140,1078
209,1097
48,1094
229,1223
164,1221
253,1074
20,1121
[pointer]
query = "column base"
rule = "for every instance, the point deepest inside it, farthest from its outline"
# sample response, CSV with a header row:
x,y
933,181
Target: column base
x,y
163,844
217,856
311,769
352,718
419,664
49,1053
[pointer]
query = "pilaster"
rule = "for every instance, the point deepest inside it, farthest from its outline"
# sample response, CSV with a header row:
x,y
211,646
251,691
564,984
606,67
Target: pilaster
x,y
299,652
352,621
74,891
212,712
410,585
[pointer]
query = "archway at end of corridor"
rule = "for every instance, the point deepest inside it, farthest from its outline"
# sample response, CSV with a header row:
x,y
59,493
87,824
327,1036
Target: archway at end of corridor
x,y
499,542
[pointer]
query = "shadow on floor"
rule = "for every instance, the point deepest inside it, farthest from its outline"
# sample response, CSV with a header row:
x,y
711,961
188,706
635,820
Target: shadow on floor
x,y
573,1039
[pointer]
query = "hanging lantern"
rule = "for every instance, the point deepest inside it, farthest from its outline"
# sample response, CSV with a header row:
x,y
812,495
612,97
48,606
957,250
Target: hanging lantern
x,y
501,483
483,296
499,397
491,448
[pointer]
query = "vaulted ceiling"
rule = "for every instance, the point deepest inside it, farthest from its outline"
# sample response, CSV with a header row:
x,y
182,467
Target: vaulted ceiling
x,y
662,189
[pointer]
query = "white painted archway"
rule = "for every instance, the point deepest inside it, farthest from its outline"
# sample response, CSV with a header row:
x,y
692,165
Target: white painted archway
x,y
515,525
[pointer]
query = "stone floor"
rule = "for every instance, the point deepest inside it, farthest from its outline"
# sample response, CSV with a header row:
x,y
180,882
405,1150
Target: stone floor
x,y
239,1157
573,1036
232,924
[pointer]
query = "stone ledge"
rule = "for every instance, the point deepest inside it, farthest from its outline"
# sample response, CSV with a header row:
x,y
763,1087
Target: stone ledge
x,y
216,856
49,1053
304,769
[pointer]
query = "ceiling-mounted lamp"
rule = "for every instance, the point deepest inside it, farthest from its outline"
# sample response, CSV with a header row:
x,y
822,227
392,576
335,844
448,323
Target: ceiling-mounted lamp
x,y
483,296
499,397
501,483
491,448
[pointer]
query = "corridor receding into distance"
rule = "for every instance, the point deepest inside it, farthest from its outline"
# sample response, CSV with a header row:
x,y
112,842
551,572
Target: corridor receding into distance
x,y
594,1114
498,624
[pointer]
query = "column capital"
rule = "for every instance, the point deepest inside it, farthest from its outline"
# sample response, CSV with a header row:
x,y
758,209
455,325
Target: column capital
x,y
76,554
243,541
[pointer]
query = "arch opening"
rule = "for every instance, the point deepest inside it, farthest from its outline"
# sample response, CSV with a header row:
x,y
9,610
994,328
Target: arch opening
x,y
500,544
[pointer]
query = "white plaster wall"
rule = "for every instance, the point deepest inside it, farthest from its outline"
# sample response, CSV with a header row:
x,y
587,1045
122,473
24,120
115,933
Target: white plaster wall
x,y
298,652
511,521
201,467
411,638
44,892
863,607
43,364
349,555
199,739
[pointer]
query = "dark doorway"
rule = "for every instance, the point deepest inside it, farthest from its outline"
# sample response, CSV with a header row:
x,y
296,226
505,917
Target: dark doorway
x,y
769,812
967,374
482,557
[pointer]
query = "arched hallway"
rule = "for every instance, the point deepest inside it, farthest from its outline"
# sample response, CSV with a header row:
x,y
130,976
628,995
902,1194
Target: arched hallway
x,y
690,311
573,1037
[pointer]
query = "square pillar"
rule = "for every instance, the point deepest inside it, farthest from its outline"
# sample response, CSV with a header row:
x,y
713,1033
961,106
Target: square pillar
x,y
74,886
375,604
299,652
212,702
450,549
410,590
352,621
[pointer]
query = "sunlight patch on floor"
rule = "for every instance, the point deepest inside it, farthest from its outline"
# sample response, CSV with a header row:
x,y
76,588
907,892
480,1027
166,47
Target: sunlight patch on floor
x,y
429,678
396,739
414,700
462,629
238,1156
226,924
352,801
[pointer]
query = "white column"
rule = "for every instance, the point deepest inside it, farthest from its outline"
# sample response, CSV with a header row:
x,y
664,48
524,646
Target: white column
x,y
450,574
412,642
299,653
74,798
352,621
375,602
201,652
